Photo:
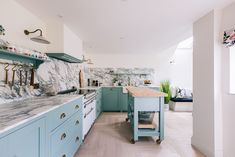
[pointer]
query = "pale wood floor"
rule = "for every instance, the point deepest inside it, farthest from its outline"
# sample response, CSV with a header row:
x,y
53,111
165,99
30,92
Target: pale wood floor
x,y
110,137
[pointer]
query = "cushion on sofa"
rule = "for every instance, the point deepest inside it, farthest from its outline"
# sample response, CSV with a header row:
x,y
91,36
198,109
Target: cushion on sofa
x,y
188,99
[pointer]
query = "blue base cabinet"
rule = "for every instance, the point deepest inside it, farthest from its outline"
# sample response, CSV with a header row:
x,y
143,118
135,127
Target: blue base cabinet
x,y
57,133
28,141
110,99
64,129
114,100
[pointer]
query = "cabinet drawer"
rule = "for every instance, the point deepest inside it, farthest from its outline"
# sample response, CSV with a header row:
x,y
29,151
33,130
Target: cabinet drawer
x,y
66,132
61,114
71,147
146,105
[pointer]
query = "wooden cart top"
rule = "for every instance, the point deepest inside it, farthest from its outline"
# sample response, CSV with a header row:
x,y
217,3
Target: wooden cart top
x,y
144,92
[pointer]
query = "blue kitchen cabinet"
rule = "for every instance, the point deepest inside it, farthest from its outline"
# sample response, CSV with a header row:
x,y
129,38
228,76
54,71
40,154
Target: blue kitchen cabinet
x,y
28,141
64,129
110,99
55,133
3,147
114,100
67,138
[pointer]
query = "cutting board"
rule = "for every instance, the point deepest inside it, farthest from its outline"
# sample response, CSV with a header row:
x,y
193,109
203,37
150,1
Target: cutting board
x,y
81,79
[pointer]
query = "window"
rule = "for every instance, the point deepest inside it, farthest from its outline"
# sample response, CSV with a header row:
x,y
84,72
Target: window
x,y
232,69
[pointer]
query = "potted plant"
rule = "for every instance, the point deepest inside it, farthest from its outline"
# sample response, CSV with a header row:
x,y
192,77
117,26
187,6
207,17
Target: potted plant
x,y
165,87
2,42
2,30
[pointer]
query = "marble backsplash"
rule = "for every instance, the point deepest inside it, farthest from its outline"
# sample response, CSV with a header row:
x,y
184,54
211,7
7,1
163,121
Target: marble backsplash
x,y
60,74
132,76
63,76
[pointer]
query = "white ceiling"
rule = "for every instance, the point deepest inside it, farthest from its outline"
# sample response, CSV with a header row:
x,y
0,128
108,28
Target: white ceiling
x,y
127,26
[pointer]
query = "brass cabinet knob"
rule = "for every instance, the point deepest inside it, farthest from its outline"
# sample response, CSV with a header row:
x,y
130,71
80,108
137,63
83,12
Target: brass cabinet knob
x,y
77,122
77,139
63,115
63,136
77,107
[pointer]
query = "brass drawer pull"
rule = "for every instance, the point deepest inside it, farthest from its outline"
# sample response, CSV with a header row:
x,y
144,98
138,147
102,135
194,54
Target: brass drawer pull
x,y
77,139
63,115
86,114
63,155
63,136
77,122
77,107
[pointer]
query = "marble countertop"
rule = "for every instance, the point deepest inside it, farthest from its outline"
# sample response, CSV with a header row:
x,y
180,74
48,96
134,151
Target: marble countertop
x,y
95,87
91,87
17,112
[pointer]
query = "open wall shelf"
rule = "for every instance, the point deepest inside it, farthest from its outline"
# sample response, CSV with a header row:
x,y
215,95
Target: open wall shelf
x,y
130,73
64,57
4,54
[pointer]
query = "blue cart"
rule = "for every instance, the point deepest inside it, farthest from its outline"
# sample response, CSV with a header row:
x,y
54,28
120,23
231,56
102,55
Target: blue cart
x,y
138,106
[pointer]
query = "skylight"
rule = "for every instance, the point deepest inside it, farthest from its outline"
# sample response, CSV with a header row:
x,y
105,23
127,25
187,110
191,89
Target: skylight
x,y
232,69
186,44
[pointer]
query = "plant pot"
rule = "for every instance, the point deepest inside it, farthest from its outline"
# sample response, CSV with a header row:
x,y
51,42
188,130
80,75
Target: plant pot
x,y
166,107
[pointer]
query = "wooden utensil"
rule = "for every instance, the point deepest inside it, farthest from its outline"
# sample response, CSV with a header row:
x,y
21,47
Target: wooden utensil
x,y
26,77
20,70
32,77
20,77
81,79
13,75
6,73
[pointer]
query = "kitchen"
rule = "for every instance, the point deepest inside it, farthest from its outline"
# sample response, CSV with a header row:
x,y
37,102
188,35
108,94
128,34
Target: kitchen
x,y
96,79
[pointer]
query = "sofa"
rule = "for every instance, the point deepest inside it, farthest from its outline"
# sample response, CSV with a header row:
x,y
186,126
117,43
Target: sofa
x,y
182,100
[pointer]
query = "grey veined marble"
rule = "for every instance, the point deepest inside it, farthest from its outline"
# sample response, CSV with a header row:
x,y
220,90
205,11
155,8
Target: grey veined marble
x,y
107,76
17,111
61,74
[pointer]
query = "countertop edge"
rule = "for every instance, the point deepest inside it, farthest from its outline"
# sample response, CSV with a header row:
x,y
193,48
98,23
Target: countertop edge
x,y
8,129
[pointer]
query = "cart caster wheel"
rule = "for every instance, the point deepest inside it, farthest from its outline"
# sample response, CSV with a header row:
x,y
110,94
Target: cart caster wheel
x,y
159,141
132,141
127,119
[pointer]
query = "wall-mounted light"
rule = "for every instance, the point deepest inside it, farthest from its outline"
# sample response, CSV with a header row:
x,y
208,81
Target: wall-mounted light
x,y
172,62
86,60
89,61
39,39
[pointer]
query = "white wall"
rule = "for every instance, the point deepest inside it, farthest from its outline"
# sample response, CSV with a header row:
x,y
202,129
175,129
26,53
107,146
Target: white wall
x,y
63,40
182,71
15,19
180,74
228,100
72,43
203,84
55,34
207,119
